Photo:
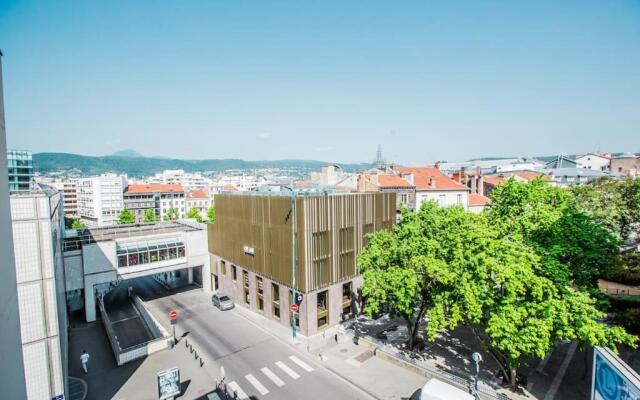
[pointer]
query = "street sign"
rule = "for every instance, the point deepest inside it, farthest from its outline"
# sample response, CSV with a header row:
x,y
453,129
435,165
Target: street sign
x,y
295,308
173,314
168,383
299,298
58,397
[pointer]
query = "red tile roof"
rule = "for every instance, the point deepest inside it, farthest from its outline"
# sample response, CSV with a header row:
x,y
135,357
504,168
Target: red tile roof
x,y
392,181
476,199
493,180
430,178
155,188
529,175
229,188
197,194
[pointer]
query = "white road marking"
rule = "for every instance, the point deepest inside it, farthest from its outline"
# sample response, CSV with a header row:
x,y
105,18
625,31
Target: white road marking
x,y
298,361
274,378
256,383
555,385
236,388
287,370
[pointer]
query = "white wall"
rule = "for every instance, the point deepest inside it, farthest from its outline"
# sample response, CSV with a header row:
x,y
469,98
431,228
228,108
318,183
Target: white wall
x,y
444,198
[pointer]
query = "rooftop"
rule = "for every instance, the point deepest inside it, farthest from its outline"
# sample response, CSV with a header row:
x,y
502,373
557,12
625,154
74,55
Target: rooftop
x,y
155,188
476,199
74,238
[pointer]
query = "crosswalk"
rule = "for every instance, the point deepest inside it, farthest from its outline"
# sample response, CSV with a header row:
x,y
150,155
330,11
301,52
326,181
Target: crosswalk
x,y
270,378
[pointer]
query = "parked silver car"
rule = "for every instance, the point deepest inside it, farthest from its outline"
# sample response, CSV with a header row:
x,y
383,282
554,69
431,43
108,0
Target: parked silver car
x,y
223,302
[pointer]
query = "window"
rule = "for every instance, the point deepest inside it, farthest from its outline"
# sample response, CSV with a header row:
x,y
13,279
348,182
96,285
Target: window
x,y
223,268
347,289
234,273
245,280
323,309
459,199
259,293
442,200
275,300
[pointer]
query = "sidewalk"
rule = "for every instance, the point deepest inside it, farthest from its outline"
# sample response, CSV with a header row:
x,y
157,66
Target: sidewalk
x,y
137,379
354,363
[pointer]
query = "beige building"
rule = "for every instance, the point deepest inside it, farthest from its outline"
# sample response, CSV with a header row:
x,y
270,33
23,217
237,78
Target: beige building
x,y
627,164
251,246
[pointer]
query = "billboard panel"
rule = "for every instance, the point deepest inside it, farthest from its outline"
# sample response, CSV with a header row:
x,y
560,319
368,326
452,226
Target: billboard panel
x,y
169,383
613,379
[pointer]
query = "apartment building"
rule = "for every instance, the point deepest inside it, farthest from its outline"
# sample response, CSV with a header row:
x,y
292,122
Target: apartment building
x,y
198,199
433,185
38,226
187,180
627,164
12,379
21,173
100,199
254,236
383,182
160,197
69,191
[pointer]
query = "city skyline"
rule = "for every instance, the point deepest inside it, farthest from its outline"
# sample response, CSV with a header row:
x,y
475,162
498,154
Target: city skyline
x,y
322,81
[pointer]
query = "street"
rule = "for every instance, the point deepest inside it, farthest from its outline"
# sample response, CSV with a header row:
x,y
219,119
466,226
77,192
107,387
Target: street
x,y
257,365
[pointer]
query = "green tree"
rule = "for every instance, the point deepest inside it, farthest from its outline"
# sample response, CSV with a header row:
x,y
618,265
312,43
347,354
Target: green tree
x,y
211,214
459,268
573,247
125,217
195,214
150,215
614,204
77,224
171,214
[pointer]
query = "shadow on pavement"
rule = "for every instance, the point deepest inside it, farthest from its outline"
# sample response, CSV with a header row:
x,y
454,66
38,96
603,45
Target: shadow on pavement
x,y
104,378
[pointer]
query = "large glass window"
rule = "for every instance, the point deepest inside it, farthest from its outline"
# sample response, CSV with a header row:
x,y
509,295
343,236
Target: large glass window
x,y
275,300
323,309
130,254
245,280
259,293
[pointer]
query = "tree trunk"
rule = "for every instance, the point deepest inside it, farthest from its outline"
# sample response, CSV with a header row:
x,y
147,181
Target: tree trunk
x,y
414,325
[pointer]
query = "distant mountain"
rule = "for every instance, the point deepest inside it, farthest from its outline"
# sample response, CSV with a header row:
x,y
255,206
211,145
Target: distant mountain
x,y
145,166
127,153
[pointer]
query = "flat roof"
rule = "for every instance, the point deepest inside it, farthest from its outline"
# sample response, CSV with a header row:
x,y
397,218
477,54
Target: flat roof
x,y
93,235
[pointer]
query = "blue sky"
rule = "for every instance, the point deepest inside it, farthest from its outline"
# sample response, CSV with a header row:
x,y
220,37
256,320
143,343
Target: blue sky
x,y
324,80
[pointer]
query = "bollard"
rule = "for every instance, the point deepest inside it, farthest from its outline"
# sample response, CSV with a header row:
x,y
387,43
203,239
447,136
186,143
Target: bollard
x,y
186,343
201,362
195,355
190,349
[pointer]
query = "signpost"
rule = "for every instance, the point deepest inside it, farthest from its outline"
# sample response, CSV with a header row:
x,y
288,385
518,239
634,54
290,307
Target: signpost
x,y
173,315
295,308
612,378
168,383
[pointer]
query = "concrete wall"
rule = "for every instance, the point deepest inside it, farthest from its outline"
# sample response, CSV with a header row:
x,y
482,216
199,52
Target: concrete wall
x,y
12,379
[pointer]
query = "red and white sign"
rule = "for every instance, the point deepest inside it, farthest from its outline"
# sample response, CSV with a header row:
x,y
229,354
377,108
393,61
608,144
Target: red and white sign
x,y
173,314
295,308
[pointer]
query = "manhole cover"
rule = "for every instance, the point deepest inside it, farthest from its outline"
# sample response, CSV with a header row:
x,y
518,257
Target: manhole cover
x,y
343,350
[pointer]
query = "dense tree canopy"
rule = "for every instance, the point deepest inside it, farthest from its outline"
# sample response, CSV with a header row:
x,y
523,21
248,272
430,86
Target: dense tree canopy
x,y
614,204
490,272
194,214
171,214
125,217
211,214
573,247
150,215
77,224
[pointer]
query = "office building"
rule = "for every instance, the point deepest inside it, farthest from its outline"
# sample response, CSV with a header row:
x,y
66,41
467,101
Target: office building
x,y
38,226
251,245
198,199
165,199
12,379
100,199
20,170
69,190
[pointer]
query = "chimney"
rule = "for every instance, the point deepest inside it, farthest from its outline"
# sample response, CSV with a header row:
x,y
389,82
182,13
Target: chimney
x,y
432,184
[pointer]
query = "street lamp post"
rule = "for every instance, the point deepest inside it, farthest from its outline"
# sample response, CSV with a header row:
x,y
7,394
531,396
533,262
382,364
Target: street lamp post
x,y
477,358
293,258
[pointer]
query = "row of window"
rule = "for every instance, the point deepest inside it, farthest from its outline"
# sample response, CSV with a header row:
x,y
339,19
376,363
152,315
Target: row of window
x,y
149,252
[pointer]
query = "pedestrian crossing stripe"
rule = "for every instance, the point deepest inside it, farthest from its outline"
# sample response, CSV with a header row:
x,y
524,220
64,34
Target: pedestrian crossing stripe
x,y
274,378
287,370
236,388
301,363
256,384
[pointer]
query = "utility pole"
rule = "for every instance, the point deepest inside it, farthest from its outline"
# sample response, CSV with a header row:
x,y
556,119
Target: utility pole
x,y
293,260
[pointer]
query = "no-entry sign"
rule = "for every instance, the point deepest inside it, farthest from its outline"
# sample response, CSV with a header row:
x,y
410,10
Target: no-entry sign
x,y
295,308
173,314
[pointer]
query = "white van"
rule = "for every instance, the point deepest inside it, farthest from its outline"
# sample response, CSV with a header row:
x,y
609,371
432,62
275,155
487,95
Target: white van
x,y
435,389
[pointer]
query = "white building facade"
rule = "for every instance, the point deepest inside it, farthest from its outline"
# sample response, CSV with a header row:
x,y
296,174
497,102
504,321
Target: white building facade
x,y
595,161
100,199
38,226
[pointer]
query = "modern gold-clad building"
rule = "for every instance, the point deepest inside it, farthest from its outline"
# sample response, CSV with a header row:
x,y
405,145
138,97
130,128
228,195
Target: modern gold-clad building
x,y
251,246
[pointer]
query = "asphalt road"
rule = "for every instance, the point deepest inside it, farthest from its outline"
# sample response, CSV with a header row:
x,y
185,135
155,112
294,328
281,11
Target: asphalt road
x,y
256,364
125,321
